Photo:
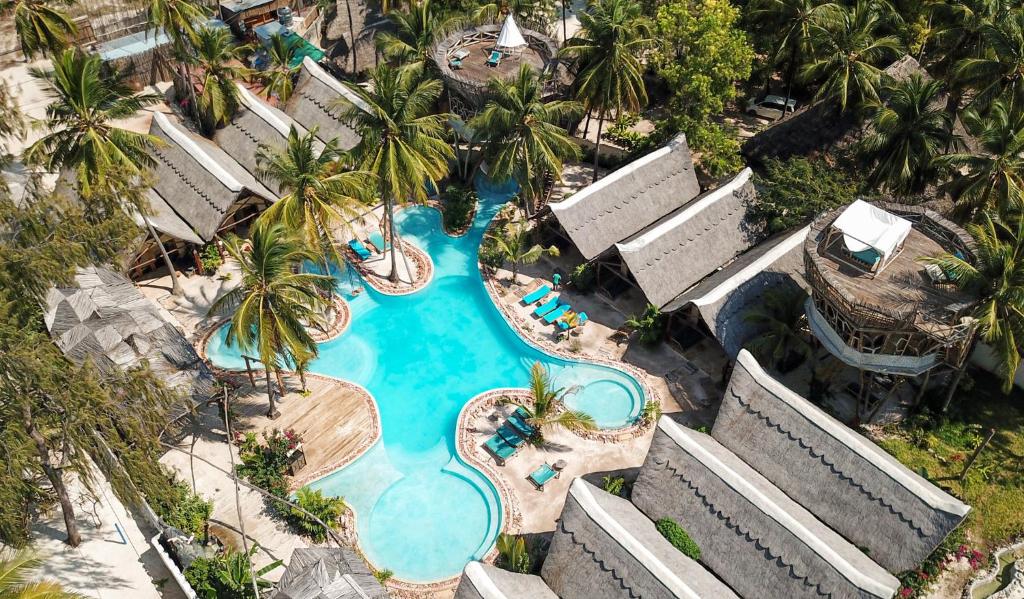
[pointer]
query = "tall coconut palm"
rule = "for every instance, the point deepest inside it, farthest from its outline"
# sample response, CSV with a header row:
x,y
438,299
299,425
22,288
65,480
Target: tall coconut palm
x,y
1000,71
794,22
780,317
180,21
274,302
960,26
411,44
515,247
16,581
279,78
996,278
42,26
908,132
317,197
547,405
992,176
402,143
216,57
522,134
848,52
607,49
85,104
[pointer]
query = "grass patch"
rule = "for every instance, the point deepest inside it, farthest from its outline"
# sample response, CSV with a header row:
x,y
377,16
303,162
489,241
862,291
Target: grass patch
x,y
939,447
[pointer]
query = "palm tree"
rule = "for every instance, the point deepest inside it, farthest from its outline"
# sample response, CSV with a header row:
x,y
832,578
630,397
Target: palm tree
x,y
41,25
997,280
992,176
959,32
908,132
180,21
219,97
1000,71
522,135
402,143
279,78
274,302
524,11
547,406
780,315
848,50
515,247
85,104
794,21
317,197
411,45
16,569
607,49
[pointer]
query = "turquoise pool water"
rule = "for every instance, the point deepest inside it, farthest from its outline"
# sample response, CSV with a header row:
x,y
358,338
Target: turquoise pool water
x,y
422,512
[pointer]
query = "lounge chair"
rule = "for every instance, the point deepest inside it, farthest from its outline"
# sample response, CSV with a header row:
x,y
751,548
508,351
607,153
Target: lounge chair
x,y
500,449
360,249
510,436
547,307
539,294
556,313
377,241
565,326
542,475
494,59
521,426
455,63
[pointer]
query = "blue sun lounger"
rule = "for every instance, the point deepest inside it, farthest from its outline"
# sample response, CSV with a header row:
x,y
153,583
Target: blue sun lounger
x,y
542,475
494,59
520,424
565,326
536,295
500,449
556,313
360,249
547,307
510,435
377,241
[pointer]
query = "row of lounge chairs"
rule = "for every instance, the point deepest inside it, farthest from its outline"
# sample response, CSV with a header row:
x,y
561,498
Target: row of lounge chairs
x,y
375,240
553,311
512,435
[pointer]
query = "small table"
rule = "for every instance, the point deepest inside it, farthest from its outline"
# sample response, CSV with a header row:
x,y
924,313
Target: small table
x,y
559,465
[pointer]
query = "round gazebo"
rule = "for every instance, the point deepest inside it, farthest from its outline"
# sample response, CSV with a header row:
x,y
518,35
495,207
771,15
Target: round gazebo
x,y
876,306
468,59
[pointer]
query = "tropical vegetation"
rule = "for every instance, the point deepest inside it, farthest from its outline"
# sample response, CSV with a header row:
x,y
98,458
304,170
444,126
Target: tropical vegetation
x,y
278,78
229,575
17,579
546,408
677,536
42,26
513,554
218,77
328,510
513,245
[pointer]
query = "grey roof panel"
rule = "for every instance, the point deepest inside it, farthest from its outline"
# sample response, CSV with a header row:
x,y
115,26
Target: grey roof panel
x,y
314,103
484,581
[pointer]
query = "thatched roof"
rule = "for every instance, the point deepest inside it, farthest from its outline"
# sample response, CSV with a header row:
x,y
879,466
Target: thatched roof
x,y
196,179
314,101
723,298
327,573
483,581
845,480
603,547
256,124
603,214
105,319
753,536
164,219
673,254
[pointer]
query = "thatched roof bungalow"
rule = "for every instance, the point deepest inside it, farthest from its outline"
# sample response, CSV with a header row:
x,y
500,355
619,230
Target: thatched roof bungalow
x,y
484,581
751,534
721,301
673,254
314,103
104,318
256,124
327,573
603,546
845,480
628,200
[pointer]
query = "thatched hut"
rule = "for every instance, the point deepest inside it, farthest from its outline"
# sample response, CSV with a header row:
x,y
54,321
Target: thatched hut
x,y
318,101
484,581
327,573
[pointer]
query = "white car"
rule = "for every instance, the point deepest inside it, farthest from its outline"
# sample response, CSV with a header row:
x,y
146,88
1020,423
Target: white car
x,y
771,107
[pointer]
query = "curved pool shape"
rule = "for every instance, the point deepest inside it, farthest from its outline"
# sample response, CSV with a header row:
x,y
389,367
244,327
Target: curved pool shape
x,y
422,512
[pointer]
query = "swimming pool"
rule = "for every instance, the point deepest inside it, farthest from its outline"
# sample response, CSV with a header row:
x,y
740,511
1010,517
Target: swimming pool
x,y
422,512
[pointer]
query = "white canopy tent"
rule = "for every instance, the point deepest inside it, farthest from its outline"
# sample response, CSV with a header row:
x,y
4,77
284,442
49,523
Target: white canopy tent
x,y
865,228
510,39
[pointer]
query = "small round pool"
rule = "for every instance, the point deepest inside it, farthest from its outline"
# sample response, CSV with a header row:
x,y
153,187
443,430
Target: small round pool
x,y
611,402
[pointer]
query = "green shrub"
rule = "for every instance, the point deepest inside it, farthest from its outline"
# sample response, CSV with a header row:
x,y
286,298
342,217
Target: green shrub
x,y
265,465
383,576
210,259
457,207
675,534
791,192
185,510
651,411
583,277
328,509
650,325
513,554
228,575
614,485
621,135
